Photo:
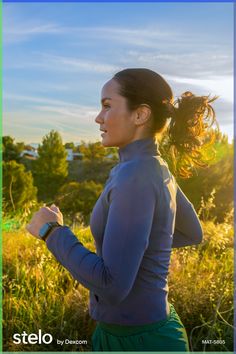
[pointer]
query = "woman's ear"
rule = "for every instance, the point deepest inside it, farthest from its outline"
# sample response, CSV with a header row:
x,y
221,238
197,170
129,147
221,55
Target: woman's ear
x,y
143,114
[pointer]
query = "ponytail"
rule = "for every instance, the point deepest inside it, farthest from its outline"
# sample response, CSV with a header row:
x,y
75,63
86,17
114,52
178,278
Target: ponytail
x,y
189,134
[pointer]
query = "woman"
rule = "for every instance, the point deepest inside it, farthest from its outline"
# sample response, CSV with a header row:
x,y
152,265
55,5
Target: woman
x,y
139,217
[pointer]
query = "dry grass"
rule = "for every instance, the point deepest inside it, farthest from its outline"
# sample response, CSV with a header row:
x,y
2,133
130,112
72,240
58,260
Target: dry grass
x,y
39,293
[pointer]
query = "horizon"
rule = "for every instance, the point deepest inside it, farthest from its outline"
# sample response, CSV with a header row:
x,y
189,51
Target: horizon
x,y
77,143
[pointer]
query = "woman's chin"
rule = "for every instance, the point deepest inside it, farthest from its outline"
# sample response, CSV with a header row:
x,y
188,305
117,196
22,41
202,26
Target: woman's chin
x,y
108,142
104,140
105,143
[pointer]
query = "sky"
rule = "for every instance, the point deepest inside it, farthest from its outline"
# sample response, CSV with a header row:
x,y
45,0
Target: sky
x,y
57,57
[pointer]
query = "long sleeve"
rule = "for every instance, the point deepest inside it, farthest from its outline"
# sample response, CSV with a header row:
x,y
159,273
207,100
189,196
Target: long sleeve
x,y
188,230
125,240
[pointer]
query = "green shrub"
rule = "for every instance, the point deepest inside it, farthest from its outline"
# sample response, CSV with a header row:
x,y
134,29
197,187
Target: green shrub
x,y
76,200
18,187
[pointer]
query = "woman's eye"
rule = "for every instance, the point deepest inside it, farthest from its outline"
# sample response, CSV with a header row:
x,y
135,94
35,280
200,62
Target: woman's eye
x,y
106,106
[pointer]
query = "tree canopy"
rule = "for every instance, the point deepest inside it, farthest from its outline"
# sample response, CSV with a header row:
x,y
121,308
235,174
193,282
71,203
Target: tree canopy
x,y
78,199
51,168
18,186
10,149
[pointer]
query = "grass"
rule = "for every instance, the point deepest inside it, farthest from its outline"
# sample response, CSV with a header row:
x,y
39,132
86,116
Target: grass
x,y
40,294
201,288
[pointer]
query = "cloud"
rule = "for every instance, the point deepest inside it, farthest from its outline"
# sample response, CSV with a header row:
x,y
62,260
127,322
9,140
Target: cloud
x,y
187,63
147,36
64,64
84,112
215,85
34,30
169,49
31,124
23,32
20,31
64,115
224,114
57,62
42,100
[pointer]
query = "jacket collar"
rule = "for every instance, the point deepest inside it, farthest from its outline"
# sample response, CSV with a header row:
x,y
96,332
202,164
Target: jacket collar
x,y
147,146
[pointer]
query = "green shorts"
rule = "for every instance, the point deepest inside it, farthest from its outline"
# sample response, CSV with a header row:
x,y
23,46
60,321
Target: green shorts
x,y
166,335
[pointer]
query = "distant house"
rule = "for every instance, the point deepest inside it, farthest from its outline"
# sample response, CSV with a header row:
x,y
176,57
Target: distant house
x,y
71,156
32,153
110,156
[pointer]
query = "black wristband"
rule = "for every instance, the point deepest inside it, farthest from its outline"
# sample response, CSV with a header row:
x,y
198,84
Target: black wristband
x,y
47,228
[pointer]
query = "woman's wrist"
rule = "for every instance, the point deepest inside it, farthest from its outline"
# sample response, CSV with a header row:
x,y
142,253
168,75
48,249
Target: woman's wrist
x,y
52,231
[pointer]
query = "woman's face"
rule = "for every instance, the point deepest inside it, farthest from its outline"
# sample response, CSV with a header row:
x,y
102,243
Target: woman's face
x,y
116,122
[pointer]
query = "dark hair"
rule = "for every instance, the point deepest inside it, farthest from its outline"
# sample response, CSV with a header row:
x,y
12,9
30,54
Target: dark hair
x,y
192,117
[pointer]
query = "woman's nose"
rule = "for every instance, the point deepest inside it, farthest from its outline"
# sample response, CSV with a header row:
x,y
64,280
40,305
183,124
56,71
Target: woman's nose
x,y
99,118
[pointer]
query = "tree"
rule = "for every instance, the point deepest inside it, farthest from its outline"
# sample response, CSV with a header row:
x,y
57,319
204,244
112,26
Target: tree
x,y
11,151
96,163
18,187
98,171
70,145
219,177
78,199
51,168
93,151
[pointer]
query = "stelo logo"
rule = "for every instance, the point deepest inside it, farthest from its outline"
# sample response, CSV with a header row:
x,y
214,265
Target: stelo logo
x,y
32,338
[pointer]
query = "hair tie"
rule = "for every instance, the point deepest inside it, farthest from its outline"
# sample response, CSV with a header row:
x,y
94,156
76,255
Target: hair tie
x,y
169,109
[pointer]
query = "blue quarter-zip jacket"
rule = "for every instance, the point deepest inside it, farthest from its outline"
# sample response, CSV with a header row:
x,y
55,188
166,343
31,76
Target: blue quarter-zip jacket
x,y
139,217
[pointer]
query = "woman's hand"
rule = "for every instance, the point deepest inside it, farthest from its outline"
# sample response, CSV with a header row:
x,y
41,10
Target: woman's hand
x,y
43,216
